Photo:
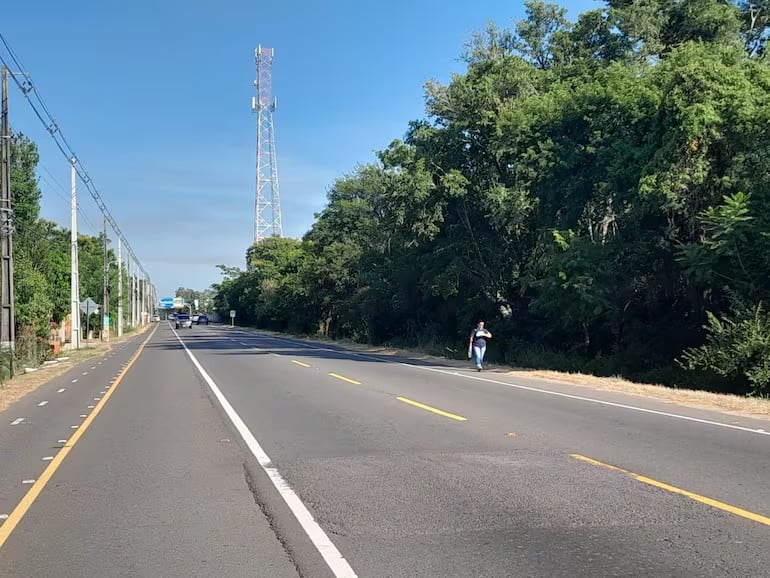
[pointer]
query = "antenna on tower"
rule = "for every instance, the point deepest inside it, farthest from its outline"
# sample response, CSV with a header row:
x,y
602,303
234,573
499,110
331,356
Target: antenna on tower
x,y
267,206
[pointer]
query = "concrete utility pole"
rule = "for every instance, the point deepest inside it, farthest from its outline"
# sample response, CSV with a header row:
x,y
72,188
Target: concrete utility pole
x,y
106,300
120,288
135,298
7,317
74,264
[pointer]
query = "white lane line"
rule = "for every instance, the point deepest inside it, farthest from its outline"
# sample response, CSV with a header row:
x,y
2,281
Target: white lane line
x,y
3,516
62,390
535,389
47,458
90,407
94,367
85,373
18,420
42,404
73,427
62,441
83,416
333,558
28,481
97,398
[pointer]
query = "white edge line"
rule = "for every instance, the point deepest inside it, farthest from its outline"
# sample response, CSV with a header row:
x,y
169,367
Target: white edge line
x,y
529,388
331,555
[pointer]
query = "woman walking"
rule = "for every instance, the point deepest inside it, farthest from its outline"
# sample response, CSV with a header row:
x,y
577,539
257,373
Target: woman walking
x,y
477,346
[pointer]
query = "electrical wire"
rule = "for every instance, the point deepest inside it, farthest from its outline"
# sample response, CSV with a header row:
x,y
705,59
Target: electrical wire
x,y
31,94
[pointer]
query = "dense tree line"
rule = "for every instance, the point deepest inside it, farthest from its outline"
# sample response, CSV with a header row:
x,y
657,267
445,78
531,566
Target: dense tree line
x,y
42,262
598,191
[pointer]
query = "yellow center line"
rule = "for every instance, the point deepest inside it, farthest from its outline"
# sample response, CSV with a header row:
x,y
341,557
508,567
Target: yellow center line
x,y
300,363
343,378
32,494
754,517
432,409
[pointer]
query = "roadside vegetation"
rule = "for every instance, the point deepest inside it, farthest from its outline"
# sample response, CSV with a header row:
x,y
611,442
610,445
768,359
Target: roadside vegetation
x,y
42,267
598,191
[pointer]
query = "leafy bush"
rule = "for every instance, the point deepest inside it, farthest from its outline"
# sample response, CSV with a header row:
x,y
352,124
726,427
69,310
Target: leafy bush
x,y
737,346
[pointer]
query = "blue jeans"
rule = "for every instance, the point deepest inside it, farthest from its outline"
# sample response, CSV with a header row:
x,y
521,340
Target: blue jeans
x,y
478,354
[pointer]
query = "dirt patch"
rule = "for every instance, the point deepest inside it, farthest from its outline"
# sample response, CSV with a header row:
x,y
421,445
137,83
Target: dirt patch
x,y
23,384
730,404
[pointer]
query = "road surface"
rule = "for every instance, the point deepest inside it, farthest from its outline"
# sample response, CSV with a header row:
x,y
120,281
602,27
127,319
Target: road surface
x,y
220,452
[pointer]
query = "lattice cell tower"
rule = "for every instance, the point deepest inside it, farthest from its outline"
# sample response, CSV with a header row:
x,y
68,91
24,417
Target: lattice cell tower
x,y
267,206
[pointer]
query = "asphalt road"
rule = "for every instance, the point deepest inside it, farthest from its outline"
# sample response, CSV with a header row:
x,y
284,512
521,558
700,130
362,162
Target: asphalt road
x,y
233,453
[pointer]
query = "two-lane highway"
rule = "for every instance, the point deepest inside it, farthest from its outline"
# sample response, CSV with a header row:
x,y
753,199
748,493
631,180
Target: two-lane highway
x,y
224,452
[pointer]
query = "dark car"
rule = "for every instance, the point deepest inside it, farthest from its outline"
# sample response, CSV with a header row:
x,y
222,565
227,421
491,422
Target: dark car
x,y
183,321
202,320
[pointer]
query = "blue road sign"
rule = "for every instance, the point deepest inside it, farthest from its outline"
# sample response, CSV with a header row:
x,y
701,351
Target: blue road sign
x,y
166,303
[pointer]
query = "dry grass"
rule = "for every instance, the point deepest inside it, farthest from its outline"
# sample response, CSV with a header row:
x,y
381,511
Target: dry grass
x,y
24,384
730,404
733,404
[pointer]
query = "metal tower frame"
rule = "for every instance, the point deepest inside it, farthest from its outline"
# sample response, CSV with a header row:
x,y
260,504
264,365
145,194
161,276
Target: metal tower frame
x,y
267,205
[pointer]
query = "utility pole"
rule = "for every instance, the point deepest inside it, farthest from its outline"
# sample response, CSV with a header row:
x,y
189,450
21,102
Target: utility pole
x,y
106,300
130,294
74,263
120,288
7,317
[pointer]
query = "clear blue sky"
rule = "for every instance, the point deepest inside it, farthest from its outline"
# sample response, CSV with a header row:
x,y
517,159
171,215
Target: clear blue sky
x,y
155,99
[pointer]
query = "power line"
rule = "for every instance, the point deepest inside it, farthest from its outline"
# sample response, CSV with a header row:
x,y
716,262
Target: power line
x,y
65,195
30,92
67,200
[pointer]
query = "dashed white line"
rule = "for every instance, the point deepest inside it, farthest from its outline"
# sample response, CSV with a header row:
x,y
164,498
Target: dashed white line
x,y
47,458
331,555
3,516
97,398
73,427
90,407
28,481
94,367
18,420
62,441
62,390
83,416
42,404
85,373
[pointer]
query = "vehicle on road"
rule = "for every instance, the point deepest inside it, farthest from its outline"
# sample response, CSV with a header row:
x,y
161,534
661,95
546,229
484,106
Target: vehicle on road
x,y
155,318
171,316
202,320
195,318
183,321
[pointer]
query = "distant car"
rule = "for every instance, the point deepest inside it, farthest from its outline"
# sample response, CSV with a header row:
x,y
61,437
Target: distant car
x,y
171,316
183,321
195,317
202,320
155,318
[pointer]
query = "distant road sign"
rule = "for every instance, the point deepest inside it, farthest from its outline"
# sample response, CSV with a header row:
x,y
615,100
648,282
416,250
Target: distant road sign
x,y
89,306
178,302
166,303
232,313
